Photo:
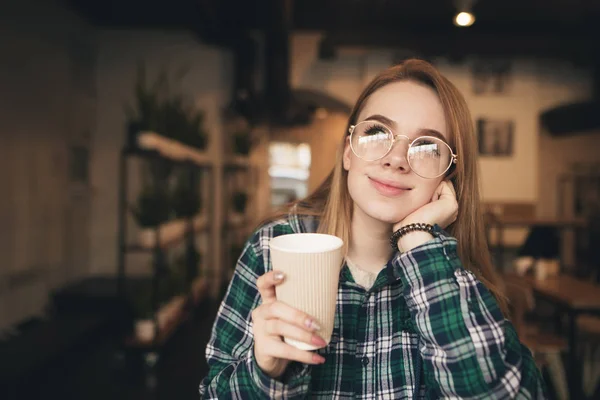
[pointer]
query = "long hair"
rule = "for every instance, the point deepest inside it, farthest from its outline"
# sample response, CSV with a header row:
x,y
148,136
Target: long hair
x,y
332,203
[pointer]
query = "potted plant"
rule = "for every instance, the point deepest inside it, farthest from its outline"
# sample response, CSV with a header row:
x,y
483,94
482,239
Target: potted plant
x,y
188,270
145,316
239,201
176,277
141,302
185,199
170,304
152,208
195,135
184,270
242,142
157,110
144,327
147,112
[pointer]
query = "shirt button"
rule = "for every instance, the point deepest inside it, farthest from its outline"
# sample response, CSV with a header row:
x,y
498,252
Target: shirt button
x,y
365,361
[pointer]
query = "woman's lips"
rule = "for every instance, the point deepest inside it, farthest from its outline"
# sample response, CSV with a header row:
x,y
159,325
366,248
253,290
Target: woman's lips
x,y
387,189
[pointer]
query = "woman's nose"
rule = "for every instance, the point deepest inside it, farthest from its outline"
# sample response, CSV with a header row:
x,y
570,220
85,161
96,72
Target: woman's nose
x,y
396,158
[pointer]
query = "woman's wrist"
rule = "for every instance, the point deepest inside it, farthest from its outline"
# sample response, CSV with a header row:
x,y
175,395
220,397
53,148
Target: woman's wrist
x,y
413,239
410,235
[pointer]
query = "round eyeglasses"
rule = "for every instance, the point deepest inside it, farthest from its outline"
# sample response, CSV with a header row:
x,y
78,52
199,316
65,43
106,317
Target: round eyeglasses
x,y
428,156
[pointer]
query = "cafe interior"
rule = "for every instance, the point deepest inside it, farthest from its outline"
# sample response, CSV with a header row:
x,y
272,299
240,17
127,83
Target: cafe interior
x,y
115,112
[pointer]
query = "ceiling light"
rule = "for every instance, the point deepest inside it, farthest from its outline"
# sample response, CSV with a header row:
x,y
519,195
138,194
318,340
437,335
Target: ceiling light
x,y
464,19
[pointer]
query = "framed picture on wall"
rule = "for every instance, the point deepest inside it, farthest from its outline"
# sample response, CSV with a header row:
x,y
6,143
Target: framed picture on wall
x,y
491,77
495,137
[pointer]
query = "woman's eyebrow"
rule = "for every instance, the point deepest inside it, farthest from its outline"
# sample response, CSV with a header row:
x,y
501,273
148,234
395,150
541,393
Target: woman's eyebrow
x,y
382,119
431,132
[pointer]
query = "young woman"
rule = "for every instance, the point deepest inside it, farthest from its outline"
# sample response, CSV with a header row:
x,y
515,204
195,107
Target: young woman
x,y
420,318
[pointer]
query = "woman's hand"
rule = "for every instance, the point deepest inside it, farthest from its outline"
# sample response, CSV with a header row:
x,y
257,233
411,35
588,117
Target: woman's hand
x,y
441,210
271,321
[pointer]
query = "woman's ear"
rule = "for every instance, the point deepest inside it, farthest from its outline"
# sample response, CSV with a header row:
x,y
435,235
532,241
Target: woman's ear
x,y
451,174
347,154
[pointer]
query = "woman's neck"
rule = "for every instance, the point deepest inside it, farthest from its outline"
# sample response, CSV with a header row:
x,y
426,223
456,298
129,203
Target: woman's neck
x,y
369,247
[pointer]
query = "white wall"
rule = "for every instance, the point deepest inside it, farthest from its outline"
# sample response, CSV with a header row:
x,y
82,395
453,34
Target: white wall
x,y
561,84
519,105
208,84
46,105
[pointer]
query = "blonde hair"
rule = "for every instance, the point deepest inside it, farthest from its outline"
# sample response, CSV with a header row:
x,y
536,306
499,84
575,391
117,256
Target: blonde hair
x,y
332,198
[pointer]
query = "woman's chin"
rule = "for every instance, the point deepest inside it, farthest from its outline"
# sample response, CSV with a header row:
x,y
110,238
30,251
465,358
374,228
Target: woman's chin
x,y
388,216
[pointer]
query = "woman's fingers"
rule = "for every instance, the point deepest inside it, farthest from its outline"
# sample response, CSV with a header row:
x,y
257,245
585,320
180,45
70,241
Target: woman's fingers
x,y
279,349
278,327
279,310
449,196
447,189
266,285
451,186
272,321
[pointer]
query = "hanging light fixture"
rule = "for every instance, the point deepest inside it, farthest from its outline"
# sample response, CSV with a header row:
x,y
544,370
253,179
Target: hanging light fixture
x,y
464,17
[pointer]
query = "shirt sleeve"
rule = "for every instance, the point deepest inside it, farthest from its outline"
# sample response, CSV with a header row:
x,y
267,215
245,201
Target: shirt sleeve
x,y
469,349
233,371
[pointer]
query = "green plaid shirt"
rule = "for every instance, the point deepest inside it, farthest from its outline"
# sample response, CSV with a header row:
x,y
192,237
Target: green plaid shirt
x,y
424,315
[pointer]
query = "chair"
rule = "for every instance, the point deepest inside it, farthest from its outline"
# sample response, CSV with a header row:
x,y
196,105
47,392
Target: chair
x,y
589,333
545,347
593,243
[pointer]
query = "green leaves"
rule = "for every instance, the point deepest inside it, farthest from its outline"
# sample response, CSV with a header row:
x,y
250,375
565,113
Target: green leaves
x,y
152,208
185,198
239,201
158,109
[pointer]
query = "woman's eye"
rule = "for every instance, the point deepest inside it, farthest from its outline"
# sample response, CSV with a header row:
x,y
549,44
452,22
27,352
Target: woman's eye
x,y
375,130
425,143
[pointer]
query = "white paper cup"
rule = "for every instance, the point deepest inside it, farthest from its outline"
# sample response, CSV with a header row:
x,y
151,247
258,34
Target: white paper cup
x,y
311,263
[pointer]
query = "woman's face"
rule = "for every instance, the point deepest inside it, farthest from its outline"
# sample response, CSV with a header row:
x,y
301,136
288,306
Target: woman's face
x,y
387,189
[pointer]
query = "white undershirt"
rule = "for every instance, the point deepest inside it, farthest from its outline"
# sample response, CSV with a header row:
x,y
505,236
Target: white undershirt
x,y
366,279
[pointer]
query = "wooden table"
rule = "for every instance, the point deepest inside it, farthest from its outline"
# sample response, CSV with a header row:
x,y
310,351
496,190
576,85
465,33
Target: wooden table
x,y
573,297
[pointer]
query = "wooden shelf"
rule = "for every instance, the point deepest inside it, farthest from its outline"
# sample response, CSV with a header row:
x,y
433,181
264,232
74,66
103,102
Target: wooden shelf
x,y
173,149
239,221
170,317
237,162
171,232
589,324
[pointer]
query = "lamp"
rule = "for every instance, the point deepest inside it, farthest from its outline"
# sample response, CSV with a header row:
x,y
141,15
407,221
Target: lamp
x,y
464,17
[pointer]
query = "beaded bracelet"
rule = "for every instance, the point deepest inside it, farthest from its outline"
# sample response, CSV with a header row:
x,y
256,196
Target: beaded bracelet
x,y
406,229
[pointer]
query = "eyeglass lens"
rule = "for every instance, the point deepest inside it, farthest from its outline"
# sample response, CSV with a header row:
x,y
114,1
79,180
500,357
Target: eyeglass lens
x,y
428,157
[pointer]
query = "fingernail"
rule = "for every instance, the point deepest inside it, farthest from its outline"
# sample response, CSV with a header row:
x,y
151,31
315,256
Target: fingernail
x,y
318,359
278,276
318,341
312,324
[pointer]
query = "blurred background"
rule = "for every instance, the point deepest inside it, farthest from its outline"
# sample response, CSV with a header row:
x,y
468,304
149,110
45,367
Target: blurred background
x,y
142,141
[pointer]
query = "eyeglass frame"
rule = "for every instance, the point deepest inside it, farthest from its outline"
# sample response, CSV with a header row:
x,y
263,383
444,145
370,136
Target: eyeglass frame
x,y
453,158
